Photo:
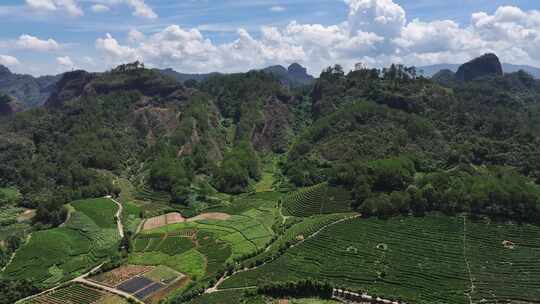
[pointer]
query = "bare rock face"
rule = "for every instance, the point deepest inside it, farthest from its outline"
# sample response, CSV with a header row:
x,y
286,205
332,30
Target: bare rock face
x,y
9,105
71,85
484,65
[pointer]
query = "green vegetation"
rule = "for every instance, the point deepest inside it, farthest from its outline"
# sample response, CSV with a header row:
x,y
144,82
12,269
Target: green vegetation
x,y
396,257
99,210
54,255
191,262
318,199
76,294
162,274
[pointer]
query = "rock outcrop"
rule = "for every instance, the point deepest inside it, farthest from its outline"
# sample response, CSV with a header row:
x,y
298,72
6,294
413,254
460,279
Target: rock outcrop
x,y
482,66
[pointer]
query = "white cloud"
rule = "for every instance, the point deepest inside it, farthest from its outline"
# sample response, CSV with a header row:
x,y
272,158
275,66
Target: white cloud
x,y
382,17
277,8
69,6
100,8
113,51
135,36
141,9
376,32
29,42
47,5
8,60
65,62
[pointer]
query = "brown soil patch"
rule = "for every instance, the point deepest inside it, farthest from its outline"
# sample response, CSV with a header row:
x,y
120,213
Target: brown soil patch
x,y
175,217
162,293
210,216
509,244
162,220
27,215
123,273
283,301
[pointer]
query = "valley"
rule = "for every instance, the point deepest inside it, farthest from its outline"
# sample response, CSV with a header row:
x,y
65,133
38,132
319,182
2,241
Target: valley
x,y
129,186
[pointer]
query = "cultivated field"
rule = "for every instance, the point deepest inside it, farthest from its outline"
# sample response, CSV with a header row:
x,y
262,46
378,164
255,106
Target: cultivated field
x,y
74,294
54,255
318,199
163,220
422,260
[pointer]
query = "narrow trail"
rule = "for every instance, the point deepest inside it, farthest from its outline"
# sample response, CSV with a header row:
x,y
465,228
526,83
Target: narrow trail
x,y
93,270
469,294
314,234
12,257
118,216
82,279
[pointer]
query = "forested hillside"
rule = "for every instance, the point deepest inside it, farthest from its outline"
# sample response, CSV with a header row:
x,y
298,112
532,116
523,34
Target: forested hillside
x,y
266,164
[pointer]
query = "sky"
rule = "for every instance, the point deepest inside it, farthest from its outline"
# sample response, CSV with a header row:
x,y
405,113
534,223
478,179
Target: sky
x,y
43,37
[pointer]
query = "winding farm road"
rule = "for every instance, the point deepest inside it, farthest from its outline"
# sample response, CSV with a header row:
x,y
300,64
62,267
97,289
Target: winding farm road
x,y
118,216
314,234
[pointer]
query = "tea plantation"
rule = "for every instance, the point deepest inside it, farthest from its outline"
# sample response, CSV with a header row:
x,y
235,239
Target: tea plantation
x,y
433,259
54,255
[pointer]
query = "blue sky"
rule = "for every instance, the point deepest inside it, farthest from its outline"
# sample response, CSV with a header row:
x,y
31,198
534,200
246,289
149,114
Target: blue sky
x,y
75,30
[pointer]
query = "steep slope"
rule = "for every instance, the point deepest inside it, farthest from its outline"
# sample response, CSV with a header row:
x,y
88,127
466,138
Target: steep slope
x,y
9,105
482,66
31,91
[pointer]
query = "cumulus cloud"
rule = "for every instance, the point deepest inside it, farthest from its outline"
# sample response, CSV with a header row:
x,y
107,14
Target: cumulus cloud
x,y
100,8
375,32
277,8
29,42
115,52
8,60
141,9
65,62
69,6
135,36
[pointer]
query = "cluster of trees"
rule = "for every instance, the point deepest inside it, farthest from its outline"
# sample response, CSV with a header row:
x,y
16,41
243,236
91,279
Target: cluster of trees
x,y
392,186
238,168
170,174
13,290
298,289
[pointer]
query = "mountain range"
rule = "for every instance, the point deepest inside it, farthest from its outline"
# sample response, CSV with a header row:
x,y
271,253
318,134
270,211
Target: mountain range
x,y
34,91
430,70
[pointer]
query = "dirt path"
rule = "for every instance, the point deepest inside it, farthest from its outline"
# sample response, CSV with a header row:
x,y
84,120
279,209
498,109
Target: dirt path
x,y
118,216
225,277
12,257
469,294
61,285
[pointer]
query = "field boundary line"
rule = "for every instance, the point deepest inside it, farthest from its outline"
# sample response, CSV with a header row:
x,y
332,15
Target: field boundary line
x,y
225,276
12,257
467,264
118,216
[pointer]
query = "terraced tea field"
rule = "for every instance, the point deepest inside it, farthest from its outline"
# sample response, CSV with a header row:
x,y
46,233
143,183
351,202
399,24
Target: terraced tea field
x,y
73,294
318,199
54,255
421,260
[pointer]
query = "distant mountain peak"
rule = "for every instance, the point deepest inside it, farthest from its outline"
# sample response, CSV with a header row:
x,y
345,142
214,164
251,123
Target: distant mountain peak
x,y
485,65
4,70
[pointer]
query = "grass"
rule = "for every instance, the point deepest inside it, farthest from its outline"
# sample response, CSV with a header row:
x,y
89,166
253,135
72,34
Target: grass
x,y
190,262
245,232
162,274
100,210
131,215
11,193
54,255
266,182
